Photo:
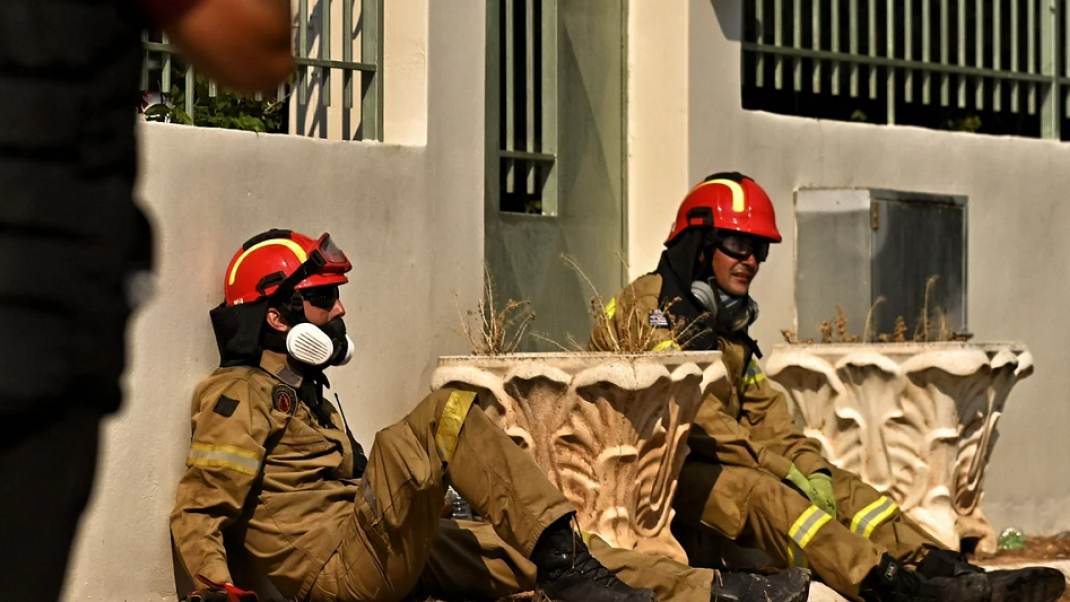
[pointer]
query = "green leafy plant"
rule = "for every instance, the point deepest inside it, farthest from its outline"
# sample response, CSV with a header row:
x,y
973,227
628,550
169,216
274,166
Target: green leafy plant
x,y
227,110
970,123
1011,539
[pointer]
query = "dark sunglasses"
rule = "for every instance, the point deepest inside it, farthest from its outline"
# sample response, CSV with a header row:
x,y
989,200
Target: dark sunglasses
x,y
741,246
323,297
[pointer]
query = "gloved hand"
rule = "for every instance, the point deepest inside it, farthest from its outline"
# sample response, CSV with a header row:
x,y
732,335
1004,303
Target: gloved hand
x,y
824,497
817,488
220,592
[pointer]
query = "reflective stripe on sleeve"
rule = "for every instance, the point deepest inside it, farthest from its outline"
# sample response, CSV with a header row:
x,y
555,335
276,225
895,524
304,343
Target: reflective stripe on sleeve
x,y
611,308
804,529
754,374
662,346
224,456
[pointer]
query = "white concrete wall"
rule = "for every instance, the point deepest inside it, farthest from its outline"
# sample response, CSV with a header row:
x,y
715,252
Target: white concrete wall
x,y
657,126
1019,282
411,220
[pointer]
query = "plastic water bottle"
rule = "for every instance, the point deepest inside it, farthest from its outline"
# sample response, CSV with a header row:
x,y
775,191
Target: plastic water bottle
x,y
461,509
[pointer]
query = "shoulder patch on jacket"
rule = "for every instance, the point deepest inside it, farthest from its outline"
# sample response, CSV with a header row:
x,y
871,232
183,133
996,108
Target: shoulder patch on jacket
x,y
225,406
284,399
658,319
289,376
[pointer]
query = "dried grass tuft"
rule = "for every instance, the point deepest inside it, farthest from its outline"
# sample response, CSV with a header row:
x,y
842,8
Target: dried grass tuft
x,y
490,331
636,336
932,325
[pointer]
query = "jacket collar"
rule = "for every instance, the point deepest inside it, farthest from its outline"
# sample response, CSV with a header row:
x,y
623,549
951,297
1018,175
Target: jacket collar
x,y
276,364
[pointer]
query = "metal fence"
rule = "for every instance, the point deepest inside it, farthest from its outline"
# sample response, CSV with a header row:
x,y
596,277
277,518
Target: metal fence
x,y
1007,61
522,102
319,67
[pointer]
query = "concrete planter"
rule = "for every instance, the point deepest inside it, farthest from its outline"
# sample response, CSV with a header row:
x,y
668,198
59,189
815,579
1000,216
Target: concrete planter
x,y
915,420
609,430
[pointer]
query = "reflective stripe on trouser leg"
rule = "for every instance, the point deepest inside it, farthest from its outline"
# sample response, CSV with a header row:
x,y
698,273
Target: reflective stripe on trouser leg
x,y
871,517
804,529
451,421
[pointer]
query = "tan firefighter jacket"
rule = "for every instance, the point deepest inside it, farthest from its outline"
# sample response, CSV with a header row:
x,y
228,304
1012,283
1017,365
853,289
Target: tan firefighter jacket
x,y
257,446
742,422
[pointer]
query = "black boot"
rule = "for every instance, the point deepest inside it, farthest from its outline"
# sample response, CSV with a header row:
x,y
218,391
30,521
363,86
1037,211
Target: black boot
x,y
1030,584
568,573
792,585
891,582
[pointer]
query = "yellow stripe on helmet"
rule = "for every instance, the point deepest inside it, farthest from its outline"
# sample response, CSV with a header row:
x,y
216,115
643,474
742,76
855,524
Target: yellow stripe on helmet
x,y
286,242
739,201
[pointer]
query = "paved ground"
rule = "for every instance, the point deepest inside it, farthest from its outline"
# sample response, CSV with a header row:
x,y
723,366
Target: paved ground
x,y
821,593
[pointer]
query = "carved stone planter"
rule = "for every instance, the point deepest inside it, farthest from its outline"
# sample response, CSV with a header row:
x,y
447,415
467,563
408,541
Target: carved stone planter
x,y
915,420
609,430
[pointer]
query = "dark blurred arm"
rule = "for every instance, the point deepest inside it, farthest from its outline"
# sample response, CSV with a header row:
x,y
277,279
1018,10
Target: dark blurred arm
x,y
242,44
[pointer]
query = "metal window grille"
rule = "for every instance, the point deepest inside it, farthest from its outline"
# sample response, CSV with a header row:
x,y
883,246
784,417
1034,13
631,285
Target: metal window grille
x,y
1002,64
310,92
522,85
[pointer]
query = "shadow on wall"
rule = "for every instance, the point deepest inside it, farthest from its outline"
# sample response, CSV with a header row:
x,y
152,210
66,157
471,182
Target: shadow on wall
x,y
730,18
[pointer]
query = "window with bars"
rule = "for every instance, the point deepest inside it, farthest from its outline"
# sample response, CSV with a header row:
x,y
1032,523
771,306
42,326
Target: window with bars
x,y
336,91
989,66
522,100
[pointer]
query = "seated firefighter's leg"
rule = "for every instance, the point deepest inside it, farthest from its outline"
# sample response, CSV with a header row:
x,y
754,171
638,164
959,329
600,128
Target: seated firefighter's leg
x,y
874,516
760,511
756,510
469,559
505,486
395,516
448,437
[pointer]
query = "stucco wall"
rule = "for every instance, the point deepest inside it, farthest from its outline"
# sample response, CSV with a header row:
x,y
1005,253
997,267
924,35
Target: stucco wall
x,y
1018,280
410,217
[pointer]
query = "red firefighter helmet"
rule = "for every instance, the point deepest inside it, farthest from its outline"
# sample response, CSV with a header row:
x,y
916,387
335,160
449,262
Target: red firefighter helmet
x,y
267,260
729,201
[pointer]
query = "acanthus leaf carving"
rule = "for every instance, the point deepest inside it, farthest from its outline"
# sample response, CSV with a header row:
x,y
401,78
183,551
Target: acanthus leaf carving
x,y
609,431
916,421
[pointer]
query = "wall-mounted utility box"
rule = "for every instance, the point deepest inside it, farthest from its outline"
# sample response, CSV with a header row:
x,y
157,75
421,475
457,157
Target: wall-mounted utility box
x,y
856,246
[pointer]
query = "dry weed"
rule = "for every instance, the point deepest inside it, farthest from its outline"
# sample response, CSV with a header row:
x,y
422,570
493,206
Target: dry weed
x,y
841,322
933,325
490,331
634,334
899,335
826,332
867,332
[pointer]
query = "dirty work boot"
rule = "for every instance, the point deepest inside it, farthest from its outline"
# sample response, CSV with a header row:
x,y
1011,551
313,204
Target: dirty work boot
x,y
792,585
568,573
1030,584
891,582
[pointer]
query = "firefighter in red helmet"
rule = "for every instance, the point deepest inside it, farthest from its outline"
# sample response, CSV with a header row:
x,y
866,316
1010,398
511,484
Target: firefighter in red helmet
x,y
323,522
752,476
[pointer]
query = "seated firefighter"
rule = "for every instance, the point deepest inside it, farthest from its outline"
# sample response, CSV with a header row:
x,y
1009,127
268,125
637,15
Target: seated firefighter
x,y
751,475
273,464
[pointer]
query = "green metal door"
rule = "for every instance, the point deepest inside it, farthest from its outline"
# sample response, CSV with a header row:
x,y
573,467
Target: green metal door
x,y
556,158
